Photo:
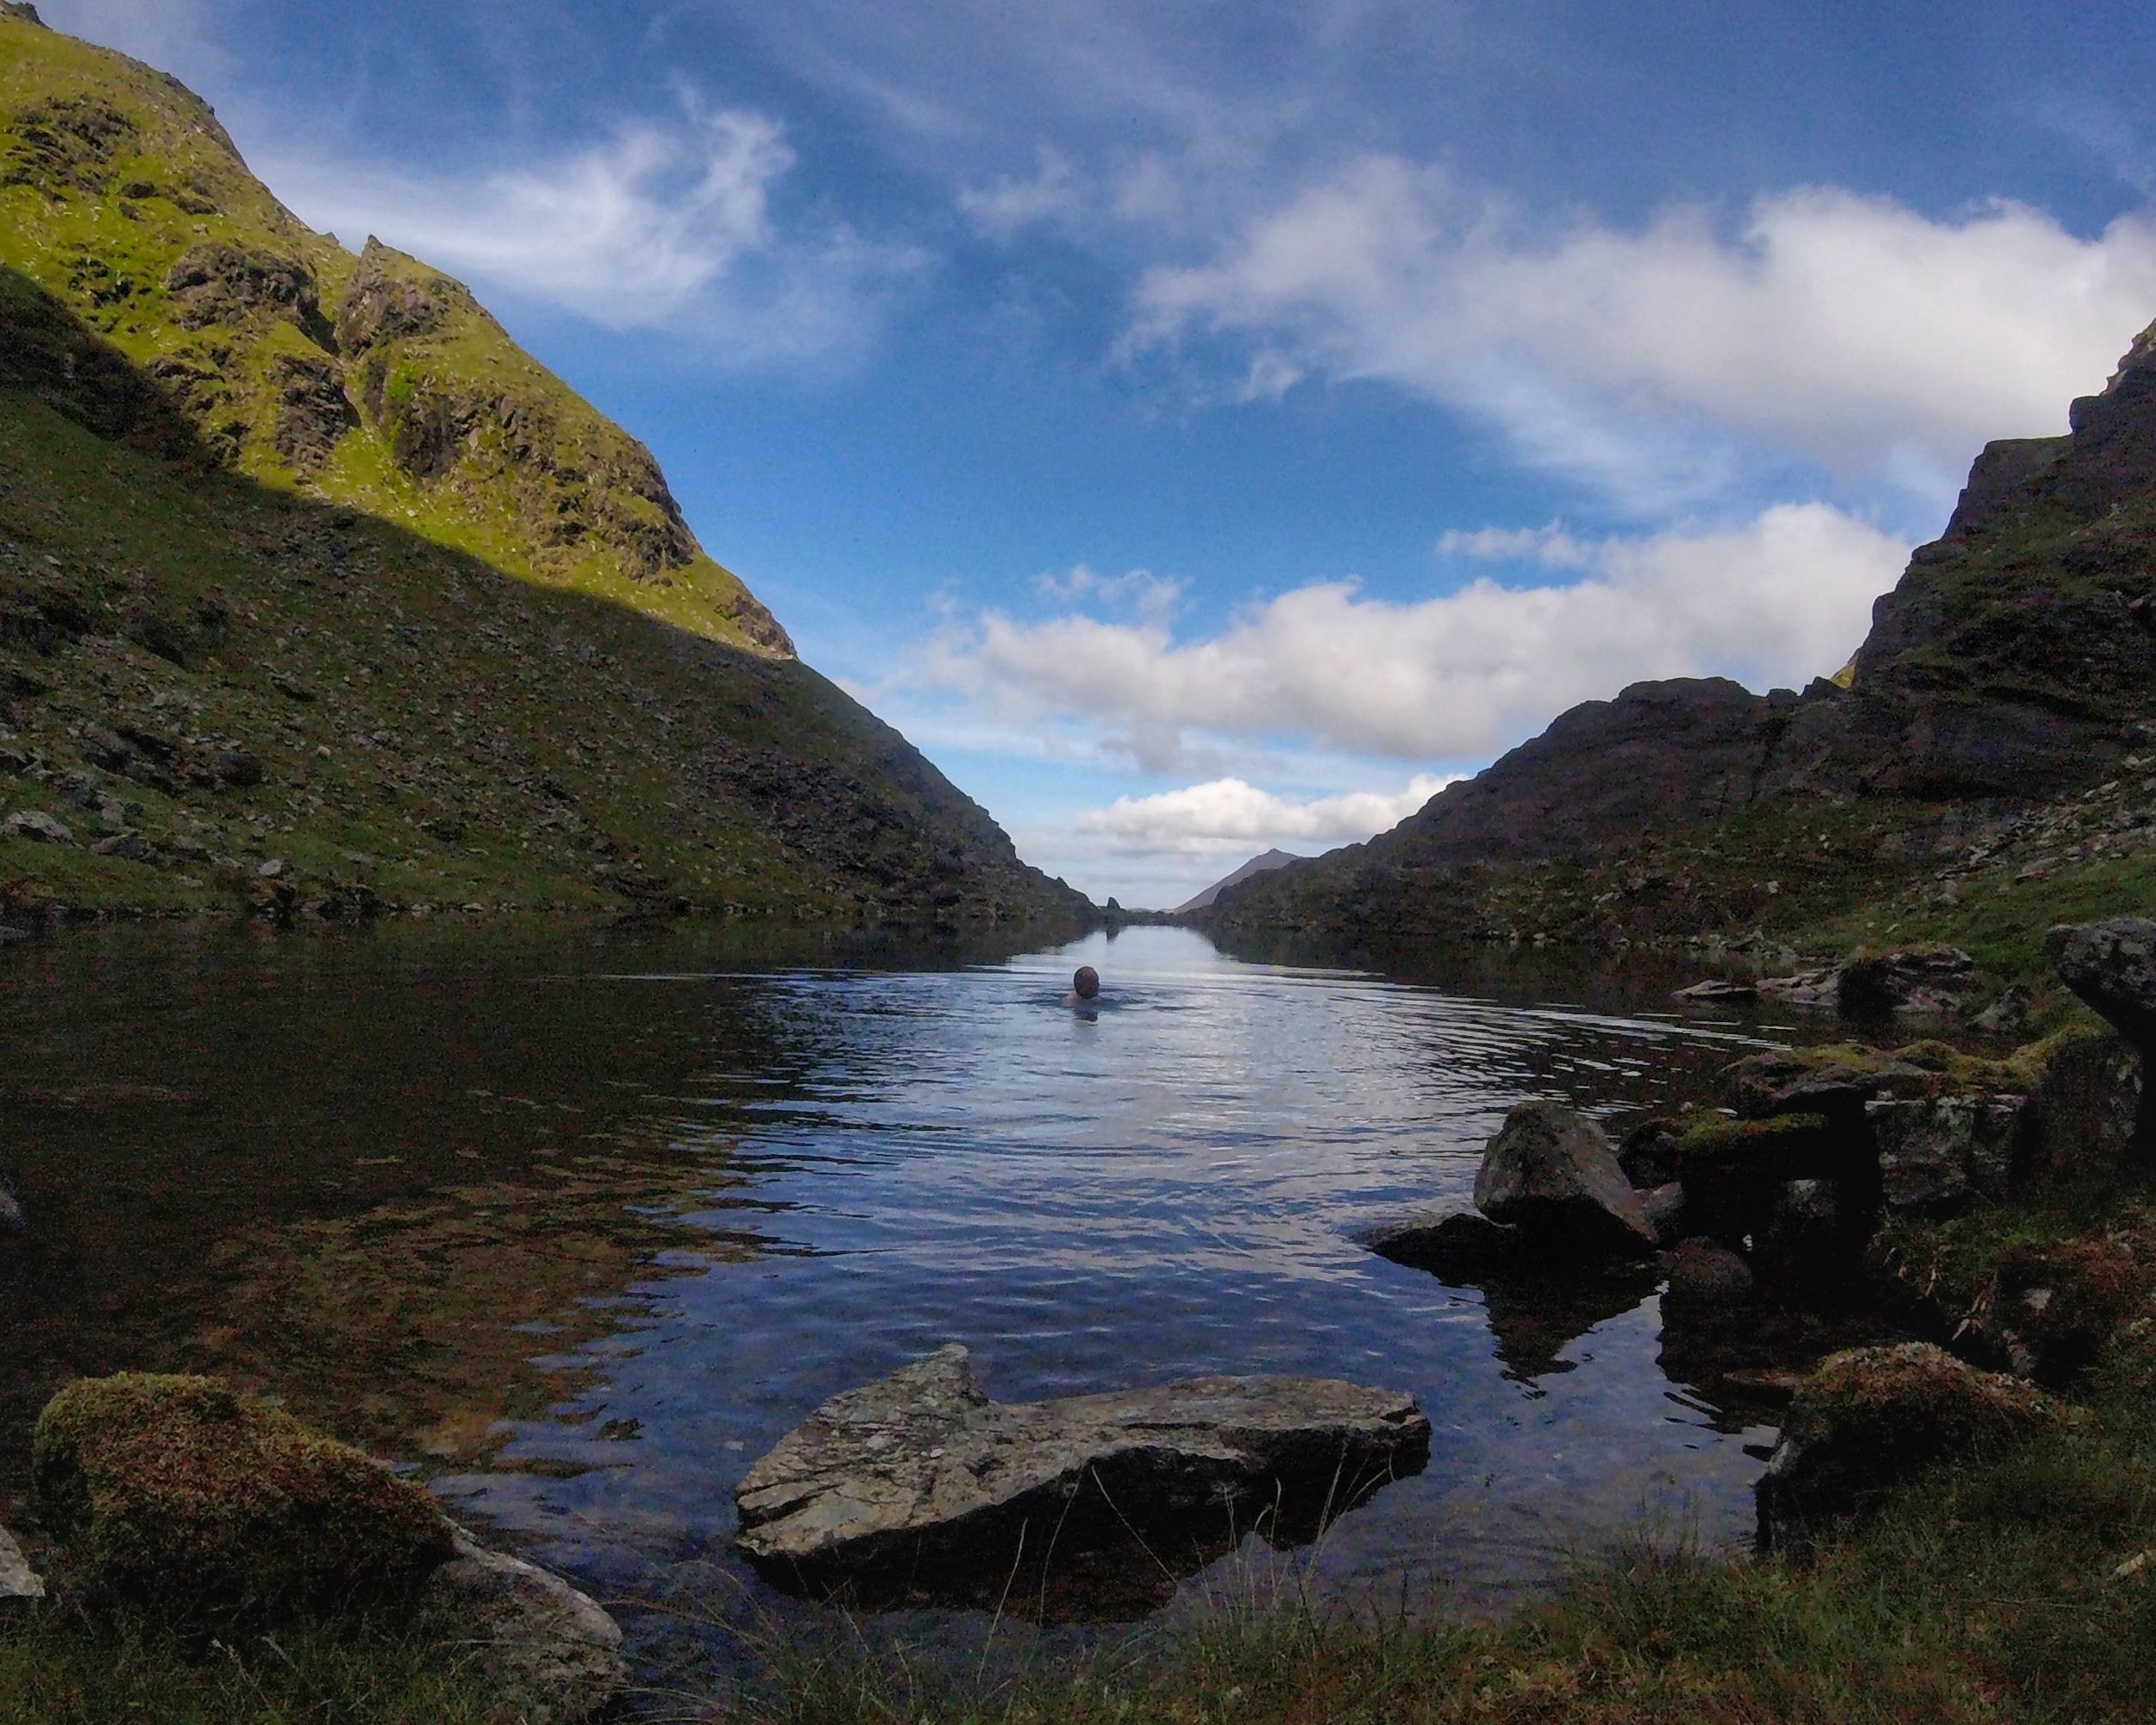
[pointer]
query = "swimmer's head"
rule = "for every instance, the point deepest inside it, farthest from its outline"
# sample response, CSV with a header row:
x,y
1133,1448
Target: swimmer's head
x,y
1086,983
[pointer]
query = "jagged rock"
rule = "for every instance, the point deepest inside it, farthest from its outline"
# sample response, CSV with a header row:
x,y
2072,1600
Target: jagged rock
x,y
1553,1173
1719,988
1815,988
11,1218
1934,1154
37,826
1704,1273
1867,1418
21,1586
2112,966
550,1653
186,1497
921,1469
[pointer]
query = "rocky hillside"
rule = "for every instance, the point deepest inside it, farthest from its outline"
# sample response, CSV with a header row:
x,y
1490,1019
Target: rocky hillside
x,y
315,590
2010,677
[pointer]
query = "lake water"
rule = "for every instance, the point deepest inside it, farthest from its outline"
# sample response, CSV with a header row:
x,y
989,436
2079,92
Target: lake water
x,y
580,1225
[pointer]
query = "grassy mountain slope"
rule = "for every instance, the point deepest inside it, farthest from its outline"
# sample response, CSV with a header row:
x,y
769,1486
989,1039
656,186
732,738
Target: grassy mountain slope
x,y
1988,766
304,562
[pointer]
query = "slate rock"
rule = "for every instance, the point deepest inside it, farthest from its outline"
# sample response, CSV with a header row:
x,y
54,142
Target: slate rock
x,y
923,1469
550,1653
1553,1172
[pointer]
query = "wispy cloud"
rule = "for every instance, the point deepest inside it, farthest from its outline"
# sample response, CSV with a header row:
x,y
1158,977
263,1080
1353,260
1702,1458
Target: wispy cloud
x,y
663,224
1139,592
1777,599
173,36
1846,330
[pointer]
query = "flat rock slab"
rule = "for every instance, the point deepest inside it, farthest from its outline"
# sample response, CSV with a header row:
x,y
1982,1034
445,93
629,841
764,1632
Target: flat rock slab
x,y
923,1467
19,1586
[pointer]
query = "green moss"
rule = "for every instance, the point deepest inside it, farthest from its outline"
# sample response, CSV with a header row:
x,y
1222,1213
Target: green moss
x,y
1767,1144
181,1495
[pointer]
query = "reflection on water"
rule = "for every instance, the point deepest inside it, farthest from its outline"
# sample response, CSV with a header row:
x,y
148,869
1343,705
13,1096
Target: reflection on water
x,y
584,1225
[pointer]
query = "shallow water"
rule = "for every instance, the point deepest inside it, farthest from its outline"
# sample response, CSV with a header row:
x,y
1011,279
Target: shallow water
x,y
581,1225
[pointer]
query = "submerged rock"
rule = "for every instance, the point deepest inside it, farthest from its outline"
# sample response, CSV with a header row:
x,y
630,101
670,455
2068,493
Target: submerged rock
x,y
552,1654
1867,1419
1552,1172
20,1587
185,1495
922,1472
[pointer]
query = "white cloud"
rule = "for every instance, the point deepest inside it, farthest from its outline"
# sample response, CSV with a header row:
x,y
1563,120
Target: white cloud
x,y
1231,816
1777,599
660,226
1137,591
1848,330
1007,205
1551,547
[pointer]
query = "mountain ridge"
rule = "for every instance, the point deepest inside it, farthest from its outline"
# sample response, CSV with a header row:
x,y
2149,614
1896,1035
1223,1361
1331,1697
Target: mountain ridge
x,y
317,592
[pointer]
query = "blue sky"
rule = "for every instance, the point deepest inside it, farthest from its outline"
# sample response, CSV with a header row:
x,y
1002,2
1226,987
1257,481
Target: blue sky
x,y
1202,428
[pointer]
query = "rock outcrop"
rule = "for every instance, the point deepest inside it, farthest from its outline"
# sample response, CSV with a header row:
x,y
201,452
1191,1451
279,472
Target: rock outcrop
x,y
1553,1174
2014,661
922,1472
1869,1418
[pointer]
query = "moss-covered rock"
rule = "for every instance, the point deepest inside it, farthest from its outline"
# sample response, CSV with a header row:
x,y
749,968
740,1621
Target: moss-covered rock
x,y
1870,1417
184,1495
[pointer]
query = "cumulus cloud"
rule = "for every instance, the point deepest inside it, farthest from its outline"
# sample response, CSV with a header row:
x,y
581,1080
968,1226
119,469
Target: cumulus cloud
x,y
661,225
1777,599
1849,330
1231,816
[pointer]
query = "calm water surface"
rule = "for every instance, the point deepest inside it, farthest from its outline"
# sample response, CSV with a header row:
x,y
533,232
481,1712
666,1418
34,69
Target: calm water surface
x,y
579,1227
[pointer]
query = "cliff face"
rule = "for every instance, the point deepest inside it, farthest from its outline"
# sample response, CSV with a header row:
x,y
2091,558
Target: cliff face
x,y
315,588
2015,660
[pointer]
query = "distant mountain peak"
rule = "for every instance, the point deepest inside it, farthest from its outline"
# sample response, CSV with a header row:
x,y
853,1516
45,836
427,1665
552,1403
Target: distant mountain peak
x,y
1264,864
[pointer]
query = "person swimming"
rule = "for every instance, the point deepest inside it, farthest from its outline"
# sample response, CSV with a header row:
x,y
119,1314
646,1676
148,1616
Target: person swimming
x,y
1085,987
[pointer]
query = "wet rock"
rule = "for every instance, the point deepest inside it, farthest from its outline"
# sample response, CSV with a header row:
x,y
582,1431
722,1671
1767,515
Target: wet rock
x,y
1703,1273
1934,1154
1460,1248
37,826
922,1469
1553,1173
1664,1207
183,1496
20,1587
1867,1418
551,1654
1719,989
1647,1153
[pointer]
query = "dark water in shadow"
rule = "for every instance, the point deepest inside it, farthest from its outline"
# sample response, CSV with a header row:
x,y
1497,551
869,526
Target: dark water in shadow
x,y
581,1224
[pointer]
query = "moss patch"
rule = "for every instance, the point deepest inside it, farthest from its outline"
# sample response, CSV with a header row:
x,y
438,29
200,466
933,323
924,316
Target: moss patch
x,y
181,1493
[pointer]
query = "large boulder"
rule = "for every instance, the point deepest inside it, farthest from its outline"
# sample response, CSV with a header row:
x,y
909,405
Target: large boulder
x,y
184,1495
1934,1154
1870,1417
1552,1172
2112,966
1835,1082
921,1472
551,1654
